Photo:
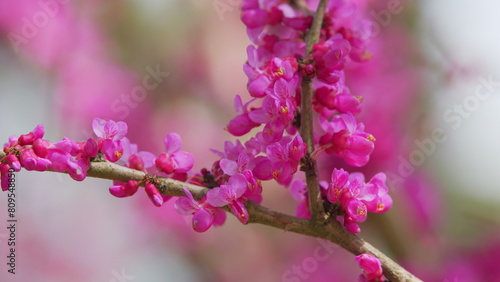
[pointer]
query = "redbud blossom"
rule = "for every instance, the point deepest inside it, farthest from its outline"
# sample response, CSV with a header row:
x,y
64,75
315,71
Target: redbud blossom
x,y
371,266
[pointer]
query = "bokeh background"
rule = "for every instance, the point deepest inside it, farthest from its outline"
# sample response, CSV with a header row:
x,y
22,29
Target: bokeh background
x,y
63,63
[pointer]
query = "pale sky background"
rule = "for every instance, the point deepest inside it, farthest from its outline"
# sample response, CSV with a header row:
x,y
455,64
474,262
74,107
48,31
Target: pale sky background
x,y
469,34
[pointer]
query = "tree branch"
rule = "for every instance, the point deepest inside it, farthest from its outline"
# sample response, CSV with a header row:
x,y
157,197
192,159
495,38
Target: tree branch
x,y
306,126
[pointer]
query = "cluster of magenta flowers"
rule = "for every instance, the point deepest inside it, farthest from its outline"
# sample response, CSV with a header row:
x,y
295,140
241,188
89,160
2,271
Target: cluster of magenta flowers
x,y
276,67
32,152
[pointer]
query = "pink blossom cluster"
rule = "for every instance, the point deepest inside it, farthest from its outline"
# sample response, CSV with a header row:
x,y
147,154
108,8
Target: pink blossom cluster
x,y
356,197
276,67
277,64
32,152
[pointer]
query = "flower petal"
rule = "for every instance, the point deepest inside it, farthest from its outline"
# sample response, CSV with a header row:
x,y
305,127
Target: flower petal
x,y
173,143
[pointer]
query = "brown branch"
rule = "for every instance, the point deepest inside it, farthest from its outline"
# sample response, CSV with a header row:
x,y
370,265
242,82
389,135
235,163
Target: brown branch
x,y
306,126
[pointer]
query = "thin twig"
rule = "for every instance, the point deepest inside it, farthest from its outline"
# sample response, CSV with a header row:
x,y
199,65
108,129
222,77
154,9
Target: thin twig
x,y
306,126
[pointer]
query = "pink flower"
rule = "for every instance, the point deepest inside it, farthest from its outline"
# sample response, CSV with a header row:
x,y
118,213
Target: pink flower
x,y
137,160
357,198
371,266
231,194
154,195
109,134
204,214
4,174
337,185
122,190
28,139
174,160
332,99
285,159
298,189
382,201
31,161
241,124
346,138
244,162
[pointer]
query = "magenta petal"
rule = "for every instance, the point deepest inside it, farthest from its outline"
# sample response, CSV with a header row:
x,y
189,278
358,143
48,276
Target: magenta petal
x,y
13,162
325,125
185,206
245,162
154,194
219,217
157,200
350,225
38,132
356,160
297,148
59,160
202,220
344,122
148,158
303,209
77,172
379,180
112,150
258,86
64,145
214,198
40,147
361,146
121,130
42,164
368,193
298,189
90,148
258,116
339,177
276,153
241,125
118,191
263,168
5,181
381,204
238,105
285,174
282,90
238,184
173,143
239,211
226,193
184,161
98,127
357,210
165,164
372,268
347,103
254,18
229,167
